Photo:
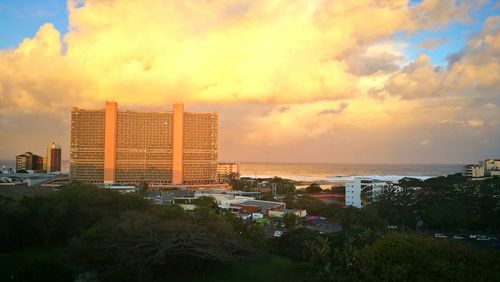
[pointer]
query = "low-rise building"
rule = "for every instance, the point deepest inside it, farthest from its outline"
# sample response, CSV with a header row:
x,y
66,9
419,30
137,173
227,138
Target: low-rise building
x,y
11,181
120,188
282,212
257,206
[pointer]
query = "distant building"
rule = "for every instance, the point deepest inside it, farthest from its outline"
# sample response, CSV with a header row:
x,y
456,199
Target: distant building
x,y
363,191
29,161
228,171
11,181
486,168
282,212
53,158
256,206
474,171
164,149
492,167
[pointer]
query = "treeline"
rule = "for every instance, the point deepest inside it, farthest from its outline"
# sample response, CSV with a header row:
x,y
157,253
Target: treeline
x,y
360,254
121,237
448,204
106,236
451,203
381,242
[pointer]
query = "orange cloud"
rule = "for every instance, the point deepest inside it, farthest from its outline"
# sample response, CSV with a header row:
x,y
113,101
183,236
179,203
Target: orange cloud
x,y
155,52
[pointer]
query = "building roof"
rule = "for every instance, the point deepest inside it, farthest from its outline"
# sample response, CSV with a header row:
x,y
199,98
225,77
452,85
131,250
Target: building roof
x,y
266,205
181,193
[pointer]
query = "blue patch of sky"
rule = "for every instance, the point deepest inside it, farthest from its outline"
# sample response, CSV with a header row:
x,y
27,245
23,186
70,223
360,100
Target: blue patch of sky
x,y
22,19
453,37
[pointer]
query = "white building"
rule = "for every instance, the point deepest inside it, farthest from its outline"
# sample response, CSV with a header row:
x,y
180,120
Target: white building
x,y
363,191
486,168
224,201
474,171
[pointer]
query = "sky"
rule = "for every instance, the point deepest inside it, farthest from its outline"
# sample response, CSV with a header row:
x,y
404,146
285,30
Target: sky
x,y
319,81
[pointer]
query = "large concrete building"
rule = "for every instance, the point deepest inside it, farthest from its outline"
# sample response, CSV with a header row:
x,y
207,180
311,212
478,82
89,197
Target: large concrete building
x,y
164,149
29,161
53,158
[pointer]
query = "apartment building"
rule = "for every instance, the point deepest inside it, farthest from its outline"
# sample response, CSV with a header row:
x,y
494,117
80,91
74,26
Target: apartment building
x,y
363,191
169,148
486,168
53,158
29,161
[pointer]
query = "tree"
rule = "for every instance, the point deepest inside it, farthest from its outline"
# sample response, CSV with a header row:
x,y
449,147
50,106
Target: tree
x,y
314,188
143,188
319,255
138,246
293,243
267,197
290,220
408,257
205,201
303,201
349,216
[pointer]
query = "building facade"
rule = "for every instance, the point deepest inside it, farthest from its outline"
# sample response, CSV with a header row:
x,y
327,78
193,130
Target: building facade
x,y
363,191
486,168
29,161
53,158
474,171
114,146
228,171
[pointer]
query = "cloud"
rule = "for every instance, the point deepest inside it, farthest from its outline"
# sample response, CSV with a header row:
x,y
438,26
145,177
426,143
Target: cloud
x,y
425,142
291,71
471,71
364,64
417,80
210,52
490,106
341,107
475,67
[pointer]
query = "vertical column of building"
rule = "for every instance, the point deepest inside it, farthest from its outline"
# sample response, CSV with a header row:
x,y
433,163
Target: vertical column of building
x,y
110,142
178,143
48,159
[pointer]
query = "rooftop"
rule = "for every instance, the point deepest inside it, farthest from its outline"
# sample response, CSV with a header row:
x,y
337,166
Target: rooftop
x,y
266,205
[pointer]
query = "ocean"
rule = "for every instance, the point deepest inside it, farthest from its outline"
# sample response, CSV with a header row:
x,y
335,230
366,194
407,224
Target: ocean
x,y
346,172
323,172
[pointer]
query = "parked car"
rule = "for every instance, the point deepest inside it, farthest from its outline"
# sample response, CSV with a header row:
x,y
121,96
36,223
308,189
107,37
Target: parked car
x,y
472,236
278,233
440,236
458,237
482,238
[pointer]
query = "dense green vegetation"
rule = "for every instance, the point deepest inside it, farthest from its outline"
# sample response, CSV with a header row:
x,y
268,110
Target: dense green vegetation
x,y
118,237
450,203
104,235
283,186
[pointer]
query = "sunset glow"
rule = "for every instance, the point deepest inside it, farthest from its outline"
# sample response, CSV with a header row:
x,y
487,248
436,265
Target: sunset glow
x,y
308,81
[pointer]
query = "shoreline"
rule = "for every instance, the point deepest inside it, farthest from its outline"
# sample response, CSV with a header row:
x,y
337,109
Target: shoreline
x,y
332,180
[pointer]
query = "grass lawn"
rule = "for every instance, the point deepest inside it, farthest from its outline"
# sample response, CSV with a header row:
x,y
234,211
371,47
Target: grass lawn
x,y
274,269
12,263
